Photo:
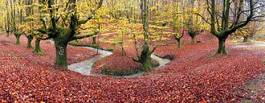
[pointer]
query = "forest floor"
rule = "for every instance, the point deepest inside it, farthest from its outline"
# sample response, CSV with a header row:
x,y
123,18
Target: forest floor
x,y
195,75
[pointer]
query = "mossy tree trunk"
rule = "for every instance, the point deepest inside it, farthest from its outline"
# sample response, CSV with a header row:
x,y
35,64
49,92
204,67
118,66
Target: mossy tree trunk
x,y
61,53
17,39
221,46
145,57
37,49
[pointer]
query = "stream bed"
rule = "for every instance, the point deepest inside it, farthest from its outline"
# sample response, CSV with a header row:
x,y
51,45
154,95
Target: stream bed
x,y
85,67
255,88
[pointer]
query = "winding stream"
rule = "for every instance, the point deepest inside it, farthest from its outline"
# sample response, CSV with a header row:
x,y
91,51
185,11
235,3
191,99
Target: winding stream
x,y
85,67
256,86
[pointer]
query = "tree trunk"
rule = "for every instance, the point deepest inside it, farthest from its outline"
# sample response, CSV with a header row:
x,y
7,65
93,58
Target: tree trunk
x,y
179,43
221,48
29,41
145,58
123,52
245,39
193,40
8,33
37,50
17,40
94,40
61,54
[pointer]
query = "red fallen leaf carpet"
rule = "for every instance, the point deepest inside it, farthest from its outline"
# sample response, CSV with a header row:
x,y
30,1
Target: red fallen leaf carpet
x,y
195,75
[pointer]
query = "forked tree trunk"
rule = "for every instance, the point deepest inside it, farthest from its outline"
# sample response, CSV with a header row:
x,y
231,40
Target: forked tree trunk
x,y
37,49
61,54
221,47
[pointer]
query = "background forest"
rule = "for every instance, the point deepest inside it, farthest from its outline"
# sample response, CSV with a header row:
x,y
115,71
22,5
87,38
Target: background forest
x,y
192,51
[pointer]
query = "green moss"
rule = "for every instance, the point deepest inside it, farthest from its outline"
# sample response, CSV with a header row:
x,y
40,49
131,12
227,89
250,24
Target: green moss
x,y
61,53
145,57
17,40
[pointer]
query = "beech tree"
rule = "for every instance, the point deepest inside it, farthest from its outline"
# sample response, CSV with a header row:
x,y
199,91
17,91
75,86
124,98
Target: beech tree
x,y
147,49
248,31
39,23
2,20
12,13
145,56
28,22
178,17
220,19
63,28
191,26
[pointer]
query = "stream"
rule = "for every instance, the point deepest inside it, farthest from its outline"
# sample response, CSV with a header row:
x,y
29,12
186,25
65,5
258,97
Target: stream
x,y
255,87
85,67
